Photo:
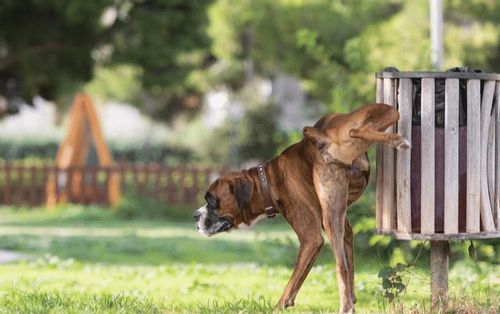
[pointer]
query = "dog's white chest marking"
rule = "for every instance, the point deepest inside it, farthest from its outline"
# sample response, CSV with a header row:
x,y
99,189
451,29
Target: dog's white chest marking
x,y
244,226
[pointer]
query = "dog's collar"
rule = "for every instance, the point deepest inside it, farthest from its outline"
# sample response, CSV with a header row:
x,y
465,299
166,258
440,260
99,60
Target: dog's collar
x,y
269,208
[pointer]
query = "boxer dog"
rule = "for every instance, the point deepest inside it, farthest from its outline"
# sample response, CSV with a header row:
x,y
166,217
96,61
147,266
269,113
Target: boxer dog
x,y
341,139
291,183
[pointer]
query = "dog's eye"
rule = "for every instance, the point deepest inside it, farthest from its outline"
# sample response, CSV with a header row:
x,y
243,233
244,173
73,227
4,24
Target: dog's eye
x,y
320,145
211,201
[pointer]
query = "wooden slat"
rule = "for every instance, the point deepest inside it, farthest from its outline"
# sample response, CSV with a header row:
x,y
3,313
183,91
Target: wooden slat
x,y
379,165
83,196
92,186
32,187
187,174
427,157
20,182
490,164
451,157
146,180
440,236
107,178
486,104
171,185
388,164
7,189
497,157
71,188
473,154
157,185
403,161
49,188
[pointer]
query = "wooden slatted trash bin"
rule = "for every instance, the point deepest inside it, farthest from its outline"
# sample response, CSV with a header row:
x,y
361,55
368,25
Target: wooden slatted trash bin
x,y
447,186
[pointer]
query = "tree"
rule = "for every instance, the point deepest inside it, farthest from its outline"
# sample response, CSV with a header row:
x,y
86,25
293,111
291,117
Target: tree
x,y
306,39
51,47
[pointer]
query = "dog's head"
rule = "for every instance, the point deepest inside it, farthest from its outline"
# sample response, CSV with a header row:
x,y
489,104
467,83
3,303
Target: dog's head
x,y
226,199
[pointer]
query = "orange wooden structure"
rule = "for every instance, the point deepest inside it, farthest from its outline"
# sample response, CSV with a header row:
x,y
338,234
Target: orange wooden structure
x,y
83,147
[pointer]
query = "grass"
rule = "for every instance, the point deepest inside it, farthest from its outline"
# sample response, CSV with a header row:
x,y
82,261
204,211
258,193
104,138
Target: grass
x,y
87,260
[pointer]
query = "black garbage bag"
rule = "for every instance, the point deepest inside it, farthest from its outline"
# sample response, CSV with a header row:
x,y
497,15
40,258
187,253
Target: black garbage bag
x,y
440,97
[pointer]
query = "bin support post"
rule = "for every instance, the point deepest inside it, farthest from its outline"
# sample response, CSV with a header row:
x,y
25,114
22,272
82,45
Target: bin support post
x,y
440,251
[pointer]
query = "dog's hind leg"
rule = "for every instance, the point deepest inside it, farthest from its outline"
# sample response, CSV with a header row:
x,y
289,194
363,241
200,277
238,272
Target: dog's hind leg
x,y
392,139
332,187
308,230
349,251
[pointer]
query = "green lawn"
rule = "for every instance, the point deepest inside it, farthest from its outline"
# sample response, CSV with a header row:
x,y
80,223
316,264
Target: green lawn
x,y
86,260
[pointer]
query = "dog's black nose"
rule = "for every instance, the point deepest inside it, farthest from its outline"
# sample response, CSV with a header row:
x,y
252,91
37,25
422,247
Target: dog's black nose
x,y
196,215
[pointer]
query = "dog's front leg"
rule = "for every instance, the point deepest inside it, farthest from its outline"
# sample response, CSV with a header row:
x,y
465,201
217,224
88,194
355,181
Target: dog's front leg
x,y
332,186
308,230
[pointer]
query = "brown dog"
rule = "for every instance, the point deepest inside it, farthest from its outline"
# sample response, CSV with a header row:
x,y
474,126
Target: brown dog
x,y
341,139
287,184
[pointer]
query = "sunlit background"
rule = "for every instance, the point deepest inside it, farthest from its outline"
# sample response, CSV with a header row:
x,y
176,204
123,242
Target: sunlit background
x,y
185,90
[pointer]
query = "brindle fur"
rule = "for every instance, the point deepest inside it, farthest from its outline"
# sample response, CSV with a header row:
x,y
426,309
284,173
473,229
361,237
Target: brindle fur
x,y
296,178
340,140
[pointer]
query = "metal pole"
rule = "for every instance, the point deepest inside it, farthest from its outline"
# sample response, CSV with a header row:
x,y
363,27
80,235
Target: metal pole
x,y
440,250
436,14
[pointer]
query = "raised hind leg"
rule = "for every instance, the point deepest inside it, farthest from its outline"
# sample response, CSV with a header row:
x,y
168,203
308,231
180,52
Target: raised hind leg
x,y
392,139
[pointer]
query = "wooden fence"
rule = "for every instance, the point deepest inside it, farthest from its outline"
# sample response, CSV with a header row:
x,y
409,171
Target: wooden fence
x,y
22,185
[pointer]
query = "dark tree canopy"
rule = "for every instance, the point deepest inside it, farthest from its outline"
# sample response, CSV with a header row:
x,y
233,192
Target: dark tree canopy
x,y
48,47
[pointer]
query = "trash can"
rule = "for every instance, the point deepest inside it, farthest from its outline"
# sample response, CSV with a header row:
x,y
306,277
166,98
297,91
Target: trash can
x,y
447,186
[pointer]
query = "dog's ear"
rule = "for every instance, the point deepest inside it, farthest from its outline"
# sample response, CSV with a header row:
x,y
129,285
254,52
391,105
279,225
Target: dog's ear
x,y
317,136
242,188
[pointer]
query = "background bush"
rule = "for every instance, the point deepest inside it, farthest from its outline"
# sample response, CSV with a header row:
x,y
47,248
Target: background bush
x,y
46,149
135,206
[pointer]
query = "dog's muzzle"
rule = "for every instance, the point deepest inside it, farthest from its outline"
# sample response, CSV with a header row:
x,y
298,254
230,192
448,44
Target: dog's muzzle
x,y
209,223
225,226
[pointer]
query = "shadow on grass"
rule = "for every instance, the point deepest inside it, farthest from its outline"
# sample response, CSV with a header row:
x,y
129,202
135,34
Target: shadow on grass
x,y
136,250
97,235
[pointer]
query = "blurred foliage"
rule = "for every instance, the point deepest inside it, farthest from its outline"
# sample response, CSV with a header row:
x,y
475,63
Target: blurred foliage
x,y
259,133
334,49
120,83
136,206
163,54
28,148
45,149
50,48
303,38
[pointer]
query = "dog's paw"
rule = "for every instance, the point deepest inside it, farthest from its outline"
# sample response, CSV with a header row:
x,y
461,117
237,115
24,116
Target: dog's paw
x,y
347,309
283,304
403,144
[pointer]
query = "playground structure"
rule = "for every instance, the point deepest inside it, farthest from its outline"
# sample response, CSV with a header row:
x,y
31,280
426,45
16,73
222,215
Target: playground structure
x,y
84,146
447,187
